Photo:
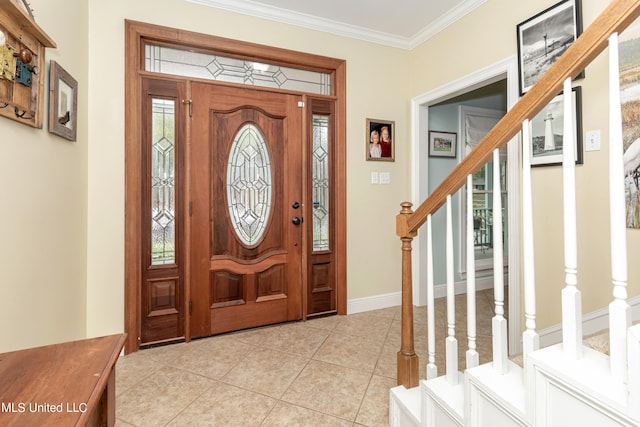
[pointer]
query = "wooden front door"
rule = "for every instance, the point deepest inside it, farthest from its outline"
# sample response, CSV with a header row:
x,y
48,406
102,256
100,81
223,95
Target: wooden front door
x,y
246,209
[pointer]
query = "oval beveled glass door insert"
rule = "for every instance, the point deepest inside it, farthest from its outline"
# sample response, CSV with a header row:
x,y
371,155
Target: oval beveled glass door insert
x,y
249,185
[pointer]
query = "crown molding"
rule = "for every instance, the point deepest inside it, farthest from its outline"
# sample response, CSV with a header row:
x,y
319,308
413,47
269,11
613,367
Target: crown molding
x,y
445,20
339,28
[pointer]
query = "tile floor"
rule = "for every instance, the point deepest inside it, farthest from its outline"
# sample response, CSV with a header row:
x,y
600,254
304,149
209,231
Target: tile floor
x,y
330,371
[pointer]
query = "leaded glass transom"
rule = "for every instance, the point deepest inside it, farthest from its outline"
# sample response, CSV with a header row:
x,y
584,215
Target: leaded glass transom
x,y
249,184
320,182
187,63
163,207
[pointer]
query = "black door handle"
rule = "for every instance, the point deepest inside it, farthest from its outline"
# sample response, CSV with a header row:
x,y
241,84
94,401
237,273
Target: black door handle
x,y
296,221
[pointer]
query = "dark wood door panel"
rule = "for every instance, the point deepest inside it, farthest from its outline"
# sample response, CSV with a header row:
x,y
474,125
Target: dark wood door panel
x,y
242,278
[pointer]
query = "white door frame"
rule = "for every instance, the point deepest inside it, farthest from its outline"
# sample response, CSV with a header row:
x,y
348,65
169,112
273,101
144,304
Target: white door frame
x,y
507,68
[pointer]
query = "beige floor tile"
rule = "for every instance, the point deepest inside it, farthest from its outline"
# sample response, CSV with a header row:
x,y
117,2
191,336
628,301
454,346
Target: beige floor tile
x,y
350,351
160,397
328,323
255,336
266,371
225,405
285,414
297,338
375,406
387,364
134,368
327,371
394,336
213,357
329,389
166,354
387,313
365,325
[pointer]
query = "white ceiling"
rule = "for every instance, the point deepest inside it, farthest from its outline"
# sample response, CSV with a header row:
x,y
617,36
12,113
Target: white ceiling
x,y
399,23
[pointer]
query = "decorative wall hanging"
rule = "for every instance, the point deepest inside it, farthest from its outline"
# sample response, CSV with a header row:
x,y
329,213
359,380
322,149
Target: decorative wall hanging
x,y
63,102
547,131
379,145
543,38
22,45
442,144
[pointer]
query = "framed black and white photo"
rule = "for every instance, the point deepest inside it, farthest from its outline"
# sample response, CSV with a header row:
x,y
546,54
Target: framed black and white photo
x,y
547,131
442,144
379,140
63,102
543,38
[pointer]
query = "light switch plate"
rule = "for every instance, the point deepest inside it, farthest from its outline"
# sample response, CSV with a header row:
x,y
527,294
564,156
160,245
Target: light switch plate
x,y
385,177
374,177
592,140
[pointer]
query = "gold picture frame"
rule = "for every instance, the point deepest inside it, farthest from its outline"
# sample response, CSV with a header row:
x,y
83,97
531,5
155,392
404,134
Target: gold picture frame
x,y
383,149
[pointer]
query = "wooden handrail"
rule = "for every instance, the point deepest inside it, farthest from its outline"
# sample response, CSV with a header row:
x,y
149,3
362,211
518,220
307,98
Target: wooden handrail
x,y
615,18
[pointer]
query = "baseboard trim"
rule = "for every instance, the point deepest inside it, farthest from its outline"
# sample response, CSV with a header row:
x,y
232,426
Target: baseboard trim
x,y
592,323
376,302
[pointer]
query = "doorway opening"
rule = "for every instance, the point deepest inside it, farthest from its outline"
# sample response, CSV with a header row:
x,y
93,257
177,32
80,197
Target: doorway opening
x,y
426,176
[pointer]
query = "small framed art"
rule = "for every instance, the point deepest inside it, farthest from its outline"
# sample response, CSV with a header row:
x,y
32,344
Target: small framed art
x,y
442,144
63,102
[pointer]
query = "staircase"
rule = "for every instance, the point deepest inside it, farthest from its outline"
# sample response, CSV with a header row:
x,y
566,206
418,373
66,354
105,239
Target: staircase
x,y
567,384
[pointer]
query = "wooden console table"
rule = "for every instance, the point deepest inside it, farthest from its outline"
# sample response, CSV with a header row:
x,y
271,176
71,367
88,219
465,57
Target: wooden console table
x,y
68,384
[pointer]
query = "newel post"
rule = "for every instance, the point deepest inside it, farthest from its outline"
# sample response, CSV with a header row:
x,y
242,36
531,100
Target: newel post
x,y
407,358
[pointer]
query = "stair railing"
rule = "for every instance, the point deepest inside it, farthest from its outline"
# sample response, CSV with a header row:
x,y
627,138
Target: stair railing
x,y
618,15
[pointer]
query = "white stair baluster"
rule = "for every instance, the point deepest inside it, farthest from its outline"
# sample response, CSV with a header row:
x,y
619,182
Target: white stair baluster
x,y
571,297
619,310
530,338
472,357
432,369
499,323
451,343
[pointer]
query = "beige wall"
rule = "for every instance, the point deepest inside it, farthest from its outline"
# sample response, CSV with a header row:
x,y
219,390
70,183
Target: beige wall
x,y
43,199
377,87
479,40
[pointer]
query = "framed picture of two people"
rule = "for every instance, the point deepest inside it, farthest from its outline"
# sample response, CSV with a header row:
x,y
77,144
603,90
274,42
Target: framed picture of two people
x,y
379,145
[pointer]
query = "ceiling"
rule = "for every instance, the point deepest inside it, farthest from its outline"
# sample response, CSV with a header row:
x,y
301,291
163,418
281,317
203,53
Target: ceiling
x,y
398,23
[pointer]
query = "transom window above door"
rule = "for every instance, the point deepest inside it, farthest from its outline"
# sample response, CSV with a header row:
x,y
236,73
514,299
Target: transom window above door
x,y
189,63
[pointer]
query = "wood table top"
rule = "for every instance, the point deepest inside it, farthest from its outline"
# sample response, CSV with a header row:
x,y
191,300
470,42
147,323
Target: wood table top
x,y
58,384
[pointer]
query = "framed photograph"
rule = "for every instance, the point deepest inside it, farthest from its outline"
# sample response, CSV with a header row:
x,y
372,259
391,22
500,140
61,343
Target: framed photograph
x,y
63,102
442,144
379,138
547,131
543,38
